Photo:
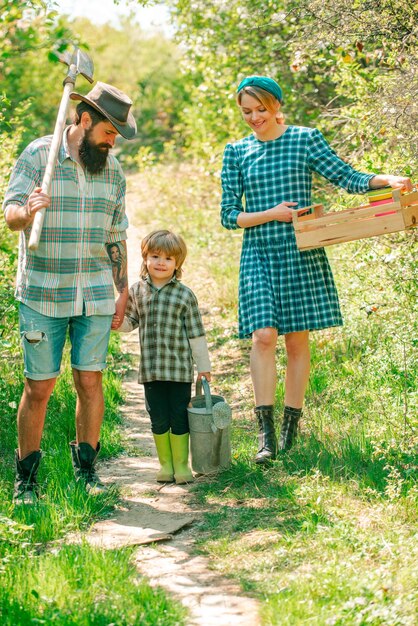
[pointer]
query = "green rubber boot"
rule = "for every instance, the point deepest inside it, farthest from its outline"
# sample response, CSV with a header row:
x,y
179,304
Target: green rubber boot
x,y
180,452
166,472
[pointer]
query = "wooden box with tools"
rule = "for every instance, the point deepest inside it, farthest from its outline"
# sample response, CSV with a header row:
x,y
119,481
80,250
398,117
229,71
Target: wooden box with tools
x,y
389,211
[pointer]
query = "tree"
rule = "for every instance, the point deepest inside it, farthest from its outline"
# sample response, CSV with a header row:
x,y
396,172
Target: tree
x,y
145,66
349,66
29,31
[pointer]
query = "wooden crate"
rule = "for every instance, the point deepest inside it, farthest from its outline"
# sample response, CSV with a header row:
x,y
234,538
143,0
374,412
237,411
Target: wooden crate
x,y
318,229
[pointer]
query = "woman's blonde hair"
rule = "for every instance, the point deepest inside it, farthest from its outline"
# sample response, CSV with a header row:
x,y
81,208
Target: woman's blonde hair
x,y
166,242
266,98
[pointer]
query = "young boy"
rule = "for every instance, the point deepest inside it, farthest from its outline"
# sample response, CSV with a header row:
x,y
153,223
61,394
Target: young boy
x,y
171,339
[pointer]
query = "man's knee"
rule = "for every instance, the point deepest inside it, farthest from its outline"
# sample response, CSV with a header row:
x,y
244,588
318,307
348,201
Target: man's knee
x,y
87,383
39,390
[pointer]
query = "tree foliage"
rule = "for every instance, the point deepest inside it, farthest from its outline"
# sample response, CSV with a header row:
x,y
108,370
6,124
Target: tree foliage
x,y
29,32
349,66
146,66
143,65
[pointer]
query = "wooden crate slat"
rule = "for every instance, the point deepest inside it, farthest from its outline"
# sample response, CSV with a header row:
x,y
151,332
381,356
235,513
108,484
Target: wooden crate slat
x,y
410,214
410,198
338,233
317,231
353,215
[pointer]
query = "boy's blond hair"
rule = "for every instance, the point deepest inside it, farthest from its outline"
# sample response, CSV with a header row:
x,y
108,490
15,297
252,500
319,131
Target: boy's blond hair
x,y
167,242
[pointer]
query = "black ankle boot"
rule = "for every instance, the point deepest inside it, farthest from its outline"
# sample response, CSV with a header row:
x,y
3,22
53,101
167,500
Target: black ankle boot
x,y
267,442
84,457
289,427
26,487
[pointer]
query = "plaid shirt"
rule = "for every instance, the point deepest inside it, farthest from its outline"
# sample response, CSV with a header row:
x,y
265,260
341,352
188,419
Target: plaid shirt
x,y
271,172
70,269
167,318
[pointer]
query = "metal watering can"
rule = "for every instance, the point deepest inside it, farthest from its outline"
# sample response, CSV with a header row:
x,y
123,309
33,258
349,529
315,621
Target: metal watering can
x,y
210,425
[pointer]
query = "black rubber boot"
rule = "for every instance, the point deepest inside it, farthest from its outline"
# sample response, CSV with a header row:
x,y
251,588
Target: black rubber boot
x,y
84,458
267,442
26,487
289,428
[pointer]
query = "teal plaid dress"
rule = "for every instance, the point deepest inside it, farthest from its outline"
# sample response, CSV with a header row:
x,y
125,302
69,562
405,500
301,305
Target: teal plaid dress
x,y
279,285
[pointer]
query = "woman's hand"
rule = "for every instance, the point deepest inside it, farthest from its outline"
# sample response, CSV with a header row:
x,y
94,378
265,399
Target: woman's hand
x,y
281,212
396,182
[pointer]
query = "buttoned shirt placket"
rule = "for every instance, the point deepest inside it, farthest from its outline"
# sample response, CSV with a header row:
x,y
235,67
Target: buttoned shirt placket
x,y
153,310
82,184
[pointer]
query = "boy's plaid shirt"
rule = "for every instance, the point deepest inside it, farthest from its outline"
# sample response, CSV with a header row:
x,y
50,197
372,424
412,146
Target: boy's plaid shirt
x,y
167,318
71,268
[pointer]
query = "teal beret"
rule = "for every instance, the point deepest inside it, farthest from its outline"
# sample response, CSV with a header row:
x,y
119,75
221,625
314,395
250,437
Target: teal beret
x,y
264,82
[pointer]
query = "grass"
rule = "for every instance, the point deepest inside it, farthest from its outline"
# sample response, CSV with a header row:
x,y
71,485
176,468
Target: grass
x,y
328,533
44,580
81,586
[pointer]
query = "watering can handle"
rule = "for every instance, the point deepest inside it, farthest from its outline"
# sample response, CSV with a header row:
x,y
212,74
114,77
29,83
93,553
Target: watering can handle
x,y
206,390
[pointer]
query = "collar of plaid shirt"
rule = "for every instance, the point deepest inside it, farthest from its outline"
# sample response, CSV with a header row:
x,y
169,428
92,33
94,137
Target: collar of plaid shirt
x,y
148,280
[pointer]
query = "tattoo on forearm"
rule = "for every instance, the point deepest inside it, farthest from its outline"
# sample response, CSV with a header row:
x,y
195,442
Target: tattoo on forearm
x,y
118,258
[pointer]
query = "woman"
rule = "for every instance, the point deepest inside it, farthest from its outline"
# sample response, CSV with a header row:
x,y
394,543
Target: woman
x,y
282,291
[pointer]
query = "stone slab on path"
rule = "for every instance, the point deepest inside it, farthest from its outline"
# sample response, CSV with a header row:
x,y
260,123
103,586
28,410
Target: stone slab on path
x,y
137,524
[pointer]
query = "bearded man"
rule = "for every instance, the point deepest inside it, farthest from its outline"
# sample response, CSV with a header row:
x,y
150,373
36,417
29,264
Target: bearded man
x,y
66,284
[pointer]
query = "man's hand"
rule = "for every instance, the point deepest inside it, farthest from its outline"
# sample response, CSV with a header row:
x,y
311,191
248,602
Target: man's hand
x,y
19,217
37,201
120,310
116,322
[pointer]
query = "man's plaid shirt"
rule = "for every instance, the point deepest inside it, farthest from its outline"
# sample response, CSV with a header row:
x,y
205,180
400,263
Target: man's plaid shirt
x,y
71,267
167,318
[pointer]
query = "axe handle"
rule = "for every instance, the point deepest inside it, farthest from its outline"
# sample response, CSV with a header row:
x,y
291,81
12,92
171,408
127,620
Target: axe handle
x,y
38,221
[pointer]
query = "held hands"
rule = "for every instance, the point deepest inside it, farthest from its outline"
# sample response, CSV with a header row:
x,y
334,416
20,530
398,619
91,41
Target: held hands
x,y
120,306
116,322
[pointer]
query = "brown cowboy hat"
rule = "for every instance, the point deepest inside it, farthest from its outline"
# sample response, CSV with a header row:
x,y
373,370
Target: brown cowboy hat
x,y
113,104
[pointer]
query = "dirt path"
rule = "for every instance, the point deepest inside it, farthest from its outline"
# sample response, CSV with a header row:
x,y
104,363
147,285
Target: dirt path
x,y
150,513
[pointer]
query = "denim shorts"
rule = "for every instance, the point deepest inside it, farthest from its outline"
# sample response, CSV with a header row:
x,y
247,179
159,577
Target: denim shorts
x,y
43,339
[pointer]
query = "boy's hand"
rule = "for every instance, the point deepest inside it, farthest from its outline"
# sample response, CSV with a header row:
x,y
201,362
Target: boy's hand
x,y
205,374
116,322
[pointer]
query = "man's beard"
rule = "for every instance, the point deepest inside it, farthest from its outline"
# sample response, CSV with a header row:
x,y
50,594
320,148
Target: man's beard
x,y
93,155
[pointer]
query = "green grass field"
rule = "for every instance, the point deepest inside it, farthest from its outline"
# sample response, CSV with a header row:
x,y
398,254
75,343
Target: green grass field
x,y
44,580
328,534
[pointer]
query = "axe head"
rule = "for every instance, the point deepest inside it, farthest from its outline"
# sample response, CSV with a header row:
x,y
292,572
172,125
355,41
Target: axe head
x,y
79,62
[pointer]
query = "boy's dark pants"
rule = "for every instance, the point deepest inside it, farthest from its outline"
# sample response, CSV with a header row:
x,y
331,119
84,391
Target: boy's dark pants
x,y
166,403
